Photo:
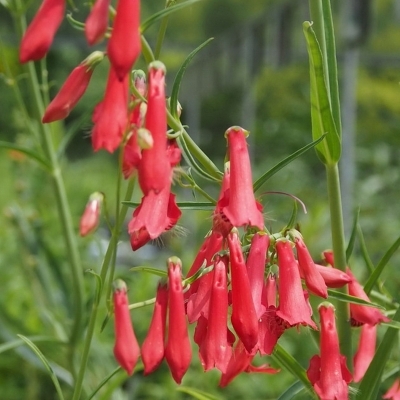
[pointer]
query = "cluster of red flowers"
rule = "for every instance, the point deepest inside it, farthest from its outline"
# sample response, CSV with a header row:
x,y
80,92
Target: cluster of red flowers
x,y
252,290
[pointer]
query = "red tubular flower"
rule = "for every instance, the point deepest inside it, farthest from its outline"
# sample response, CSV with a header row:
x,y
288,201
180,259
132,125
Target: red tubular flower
x,y
313,278
293,307
394,391
244,317
241,362
39,36
365,352
328,372
198,303
334,278
153,345
363,314
126,349
242,208
111,115
178,352
96,23
155,172
215,351
124,45
72,90
91,215
156,214
255,269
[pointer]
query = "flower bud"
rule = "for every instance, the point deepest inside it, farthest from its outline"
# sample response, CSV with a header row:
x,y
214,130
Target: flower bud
x,y
91,215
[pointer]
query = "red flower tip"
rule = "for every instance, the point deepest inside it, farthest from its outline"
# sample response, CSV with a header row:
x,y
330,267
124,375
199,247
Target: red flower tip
x,y
91,215
394,391
39,36
153,345
124,45
126,348
96,23
178,352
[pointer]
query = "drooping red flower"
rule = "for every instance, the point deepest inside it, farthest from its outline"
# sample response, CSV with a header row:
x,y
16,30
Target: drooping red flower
x,y
155,171
40,33
90,217
215,350
126,348
96,23
110,117
156,214
393,392
242,208
244,317
293,307
334,278
256,267
72,90
153,345
313,278
328,372
241,362
178,352
124,45
365,352
363,314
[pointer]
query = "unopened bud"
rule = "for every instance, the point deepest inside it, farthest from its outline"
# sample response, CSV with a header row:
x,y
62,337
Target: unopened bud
x,y
91,215
145,139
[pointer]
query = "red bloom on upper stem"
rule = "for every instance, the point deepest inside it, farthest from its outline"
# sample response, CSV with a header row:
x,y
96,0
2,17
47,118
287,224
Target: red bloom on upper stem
x,y
242,208
333,278
178,352
72,90
91,215
110,117
244,317
155,171
126,348
153,345
96,23
313,278
40,33
363,314
328,372
365,352
215,351
293,307
124,45
156,214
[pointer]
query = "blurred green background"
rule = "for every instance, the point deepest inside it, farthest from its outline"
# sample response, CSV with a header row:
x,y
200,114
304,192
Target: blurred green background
x,y
255,74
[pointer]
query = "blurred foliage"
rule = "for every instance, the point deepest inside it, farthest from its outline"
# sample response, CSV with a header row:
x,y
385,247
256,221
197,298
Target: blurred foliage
x,y
30,242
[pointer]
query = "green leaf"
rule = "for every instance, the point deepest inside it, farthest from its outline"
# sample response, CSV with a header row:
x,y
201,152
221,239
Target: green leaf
x,y
364,250
99,284
18,342
47,365
264,178
353,235
104,381
391,324
369,387
288,362
197,394
292,390
31,154
178,78
351,299
164,12
321,114
373,278
150,270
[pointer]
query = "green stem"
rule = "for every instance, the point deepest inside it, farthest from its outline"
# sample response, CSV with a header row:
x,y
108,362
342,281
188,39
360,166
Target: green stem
x,y
111,250
339,251
160,37
62,206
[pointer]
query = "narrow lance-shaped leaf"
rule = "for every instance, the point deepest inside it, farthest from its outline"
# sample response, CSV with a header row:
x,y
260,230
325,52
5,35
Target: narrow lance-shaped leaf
x,y
321,114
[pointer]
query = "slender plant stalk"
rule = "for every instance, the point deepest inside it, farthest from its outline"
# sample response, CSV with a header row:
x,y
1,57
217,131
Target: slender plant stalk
x,y
62,206
339,250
